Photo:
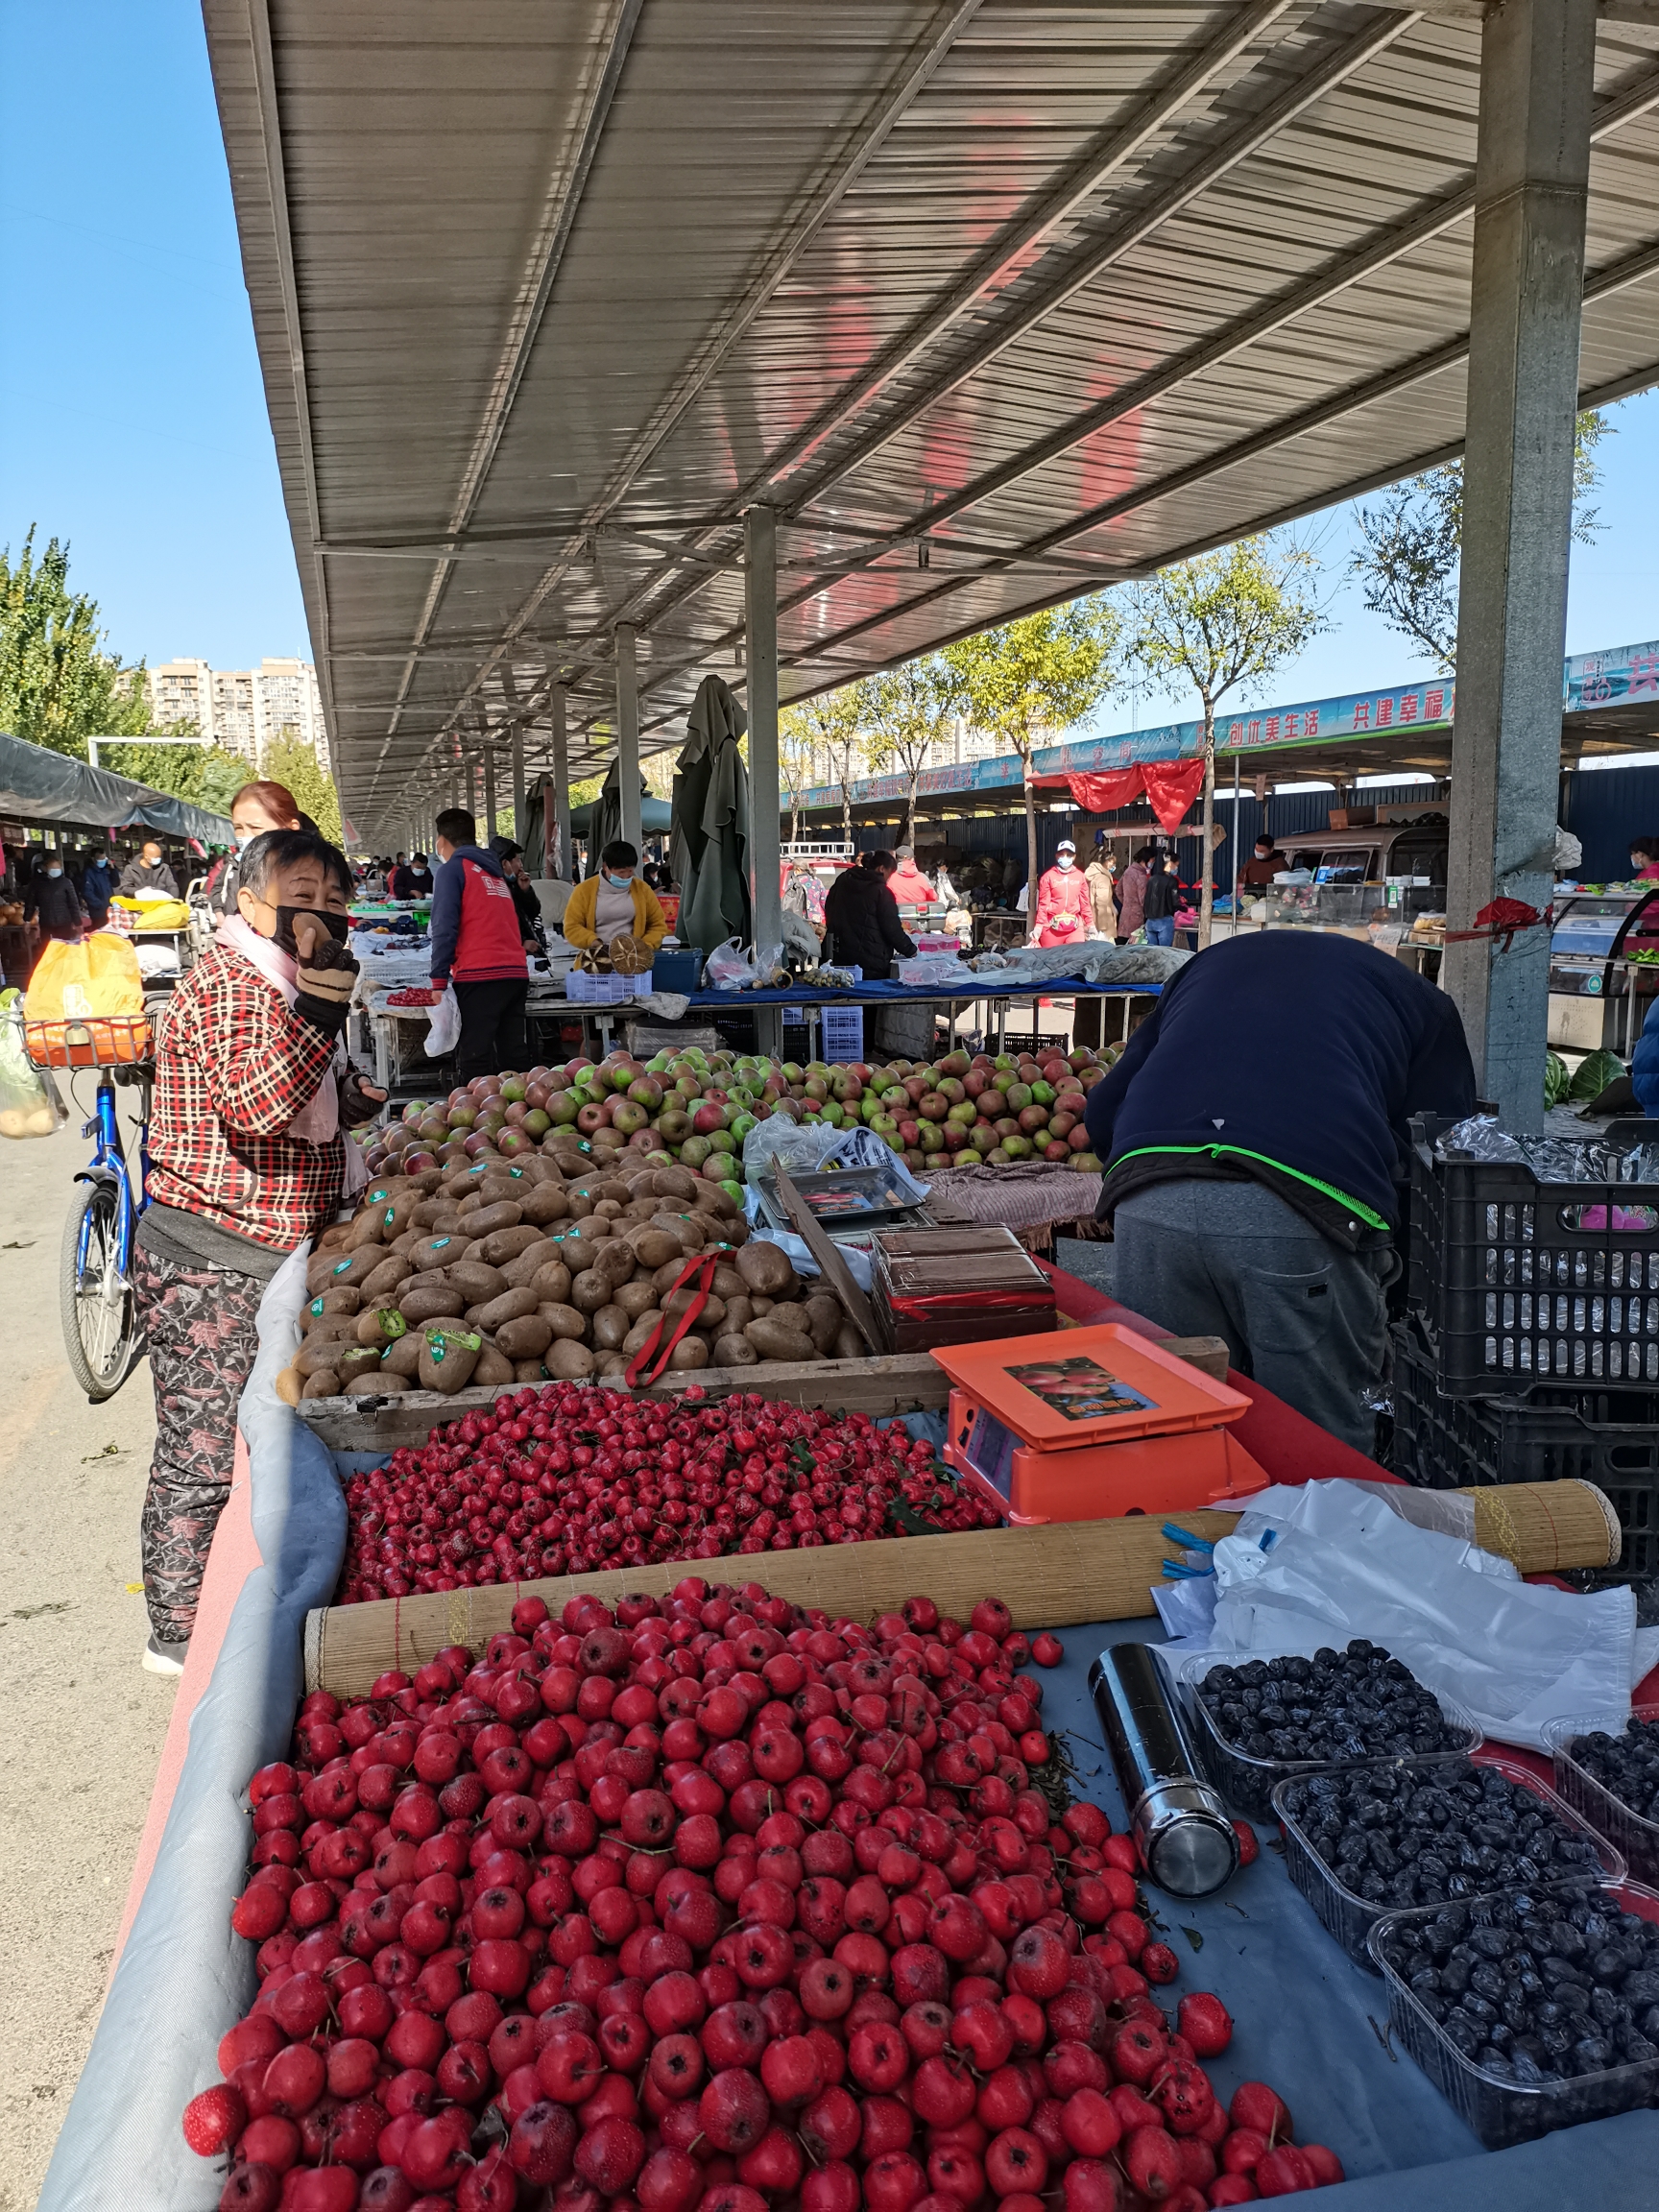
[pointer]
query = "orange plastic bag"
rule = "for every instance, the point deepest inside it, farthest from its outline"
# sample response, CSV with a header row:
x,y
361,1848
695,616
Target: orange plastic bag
x,y
84,1006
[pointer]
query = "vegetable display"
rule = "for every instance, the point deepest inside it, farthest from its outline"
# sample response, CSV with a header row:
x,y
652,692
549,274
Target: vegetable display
x,y
768,1913
696,1110
558,1482
492,1270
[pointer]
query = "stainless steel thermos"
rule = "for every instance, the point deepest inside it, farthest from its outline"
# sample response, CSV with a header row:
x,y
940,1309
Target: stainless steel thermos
x,y
1178,1821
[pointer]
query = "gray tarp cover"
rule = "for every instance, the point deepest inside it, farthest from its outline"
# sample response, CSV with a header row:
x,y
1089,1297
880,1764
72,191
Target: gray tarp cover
x,y
1306,2020
39,785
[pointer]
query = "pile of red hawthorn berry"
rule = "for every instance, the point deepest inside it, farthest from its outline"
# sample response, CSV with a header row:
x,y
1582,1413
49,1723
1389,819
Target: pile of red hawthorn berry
x,y
566,1479
712,1905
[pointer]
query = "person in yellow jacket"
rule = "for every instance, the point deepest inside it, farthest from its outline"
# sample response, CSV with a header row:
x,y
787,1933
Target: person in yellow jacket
x,y
614,904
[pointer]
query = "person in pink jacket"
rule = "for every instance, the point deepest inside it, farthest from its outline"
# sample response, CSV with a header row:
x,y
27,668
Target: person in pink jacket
x,y
1065,910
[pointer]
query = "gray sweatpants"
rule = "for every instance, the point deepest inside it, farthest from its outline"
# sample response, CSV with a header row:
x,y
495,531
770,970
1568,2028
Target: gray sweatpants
x,y
1304,1318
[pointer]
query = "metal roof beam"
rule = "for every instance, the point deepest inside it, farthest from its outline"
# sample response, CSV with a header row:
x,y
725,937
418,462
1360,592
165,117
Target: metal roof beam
x,y
1011,252
563,197
1338,274
1084,267
1333,71
1618,277
873,134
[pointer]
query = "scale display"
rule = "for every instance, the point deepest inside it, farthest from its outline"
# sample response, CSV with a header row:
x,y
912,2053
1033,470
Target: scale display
x,y
1080,1389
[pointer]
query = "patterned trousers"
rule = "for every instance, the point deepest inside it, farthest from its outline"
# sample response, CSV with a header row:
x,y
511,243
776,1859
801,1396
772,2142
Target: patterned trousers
x,y
202,1341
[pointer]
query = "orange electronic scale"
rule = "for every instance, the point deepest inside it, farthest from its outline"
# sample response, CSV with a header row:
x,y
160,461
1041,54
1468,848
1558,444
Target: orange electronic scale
x,y
1092,1424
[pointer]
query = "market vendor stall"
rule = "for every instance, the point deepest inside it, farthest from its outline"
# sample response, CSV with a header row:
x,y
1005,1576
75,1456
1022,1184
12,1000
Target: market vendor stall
x,y
1303,2016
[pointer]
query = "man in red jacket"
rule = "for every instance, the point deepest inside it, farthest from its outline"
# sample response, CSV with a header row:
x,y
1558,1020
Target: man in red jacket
x,y
479,944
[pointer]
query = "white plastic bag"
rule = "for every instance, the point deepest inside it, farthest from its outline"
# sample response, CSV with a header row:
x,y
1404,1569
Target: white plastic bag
x,y
1338,1564
443,1030
30,1105
727,969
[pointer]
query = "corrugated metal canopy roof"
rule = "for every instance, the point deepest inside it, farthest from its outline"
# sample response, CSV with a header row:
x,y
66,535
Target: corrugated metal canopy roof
x,y
994,300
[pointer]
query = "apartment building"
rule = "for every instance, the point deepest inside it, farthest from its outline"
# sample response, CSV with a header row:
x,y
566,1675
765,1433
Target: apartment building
x,y
243,710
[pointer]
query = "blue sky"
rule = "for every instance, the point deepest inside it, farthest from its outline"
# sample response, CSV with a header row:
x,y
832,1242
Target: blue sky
x,y
134,417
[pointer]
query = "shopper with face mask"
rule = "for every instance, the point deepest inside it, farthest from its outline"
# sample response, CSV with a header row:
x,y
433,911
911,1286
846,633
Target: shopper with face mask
x,y
1644,859
53,900
478,945
248,1158
614,904
97,889
1065,912
411,879
149,873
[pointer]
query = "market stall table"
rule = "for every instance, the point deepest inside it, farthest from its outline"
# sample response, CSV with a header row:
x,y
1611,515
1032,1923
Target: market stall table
x,y
998,995
1305,2018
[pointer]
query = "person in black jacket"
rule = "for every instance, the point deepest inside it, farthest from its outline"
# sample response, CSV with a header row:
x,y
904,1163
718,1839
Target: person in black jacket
x,y
411,879
53,900
1255,1199
861,918
149,873
1163,895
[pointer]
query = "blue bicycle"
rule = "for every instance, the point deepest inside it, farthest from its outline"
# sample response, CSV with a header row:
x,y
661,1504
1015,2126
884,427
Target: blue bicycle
x,y
103,1334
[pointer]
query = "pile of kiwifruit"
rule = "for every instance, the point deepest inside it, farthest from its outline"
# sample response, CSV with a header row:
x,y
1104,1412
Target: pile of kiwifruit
x,y
487,1274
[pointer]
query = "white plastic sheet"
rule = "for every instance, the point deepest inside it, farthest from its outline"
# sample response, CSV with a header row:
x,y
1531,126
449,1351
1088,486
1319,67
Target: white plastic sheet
x,y
1339,1564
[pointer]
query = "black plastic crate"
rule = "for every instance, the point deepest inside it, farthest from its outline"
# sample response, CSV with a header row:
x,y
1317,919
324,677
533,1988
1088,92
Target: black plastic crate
x,y
1522,1285
1608,1437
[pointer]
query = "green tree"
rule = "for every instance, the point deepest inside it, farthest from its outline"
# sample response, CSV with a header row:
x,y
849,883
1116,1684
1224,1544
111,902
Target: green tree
x,y
834,721
1412,542
59,683
1222,619
909,709
1035,678
290,761
202,775
796,754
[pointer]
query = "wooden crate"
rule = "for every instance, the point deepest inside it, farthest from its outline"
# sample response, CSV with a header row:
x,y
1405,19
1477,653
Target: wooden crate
x,y
884,1385
1054,1576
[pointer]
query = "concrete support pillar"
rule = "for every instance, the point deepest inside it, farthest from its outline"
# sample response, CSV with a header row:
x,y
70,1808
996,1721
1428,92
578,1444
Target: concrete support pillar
x,y
558,841
627,732
1531,178
489,791
761,657
519,784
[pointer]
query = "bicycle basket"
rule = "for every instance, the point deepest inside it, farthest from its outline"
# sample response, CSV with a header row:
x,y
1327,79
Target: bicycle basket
x,y
89,1041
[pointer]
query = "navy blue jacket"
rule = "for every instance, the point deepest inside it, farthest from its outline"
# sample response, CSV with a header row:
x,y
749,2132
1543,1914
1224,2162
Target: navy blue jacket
x,y
1285,1051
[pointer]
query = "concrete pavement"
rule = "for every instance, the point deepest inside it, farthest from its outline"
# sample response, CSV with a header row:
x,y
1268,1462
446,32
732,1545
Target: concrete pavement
x,y
84,1724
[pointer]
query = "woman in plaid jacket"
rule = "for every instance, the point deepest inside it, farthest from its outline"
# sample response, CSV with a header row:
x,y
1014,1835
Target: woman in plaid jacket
x,y
254,1093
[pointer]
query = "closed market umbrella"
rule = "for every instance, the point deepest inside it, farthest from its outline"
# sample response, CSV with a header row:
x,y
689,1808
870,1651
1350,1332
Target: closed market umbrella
x,y
711,822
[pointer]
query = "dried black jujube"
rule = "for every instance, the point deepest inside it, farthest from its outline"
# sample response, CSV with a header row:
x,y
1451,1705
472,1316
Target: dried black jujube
x,y
1337,1708
1406,1835
1559,2017
1627,1767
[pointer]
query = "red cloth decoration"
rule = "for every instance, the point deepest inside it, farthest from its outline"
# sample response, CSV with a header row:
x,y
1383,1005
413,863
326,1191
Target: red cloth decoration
x,y
1502,918
1170,787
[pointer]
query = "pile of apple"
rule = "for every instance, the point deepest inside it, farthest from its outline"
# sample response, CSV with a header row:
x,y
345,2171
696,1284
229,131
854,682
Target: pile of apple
x,y
770,1917
695,1109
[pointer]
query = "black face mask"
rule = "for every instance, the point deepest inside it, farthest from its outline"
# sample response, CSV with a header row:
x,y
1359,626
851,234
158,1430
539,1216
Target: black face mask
x,y
338,926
